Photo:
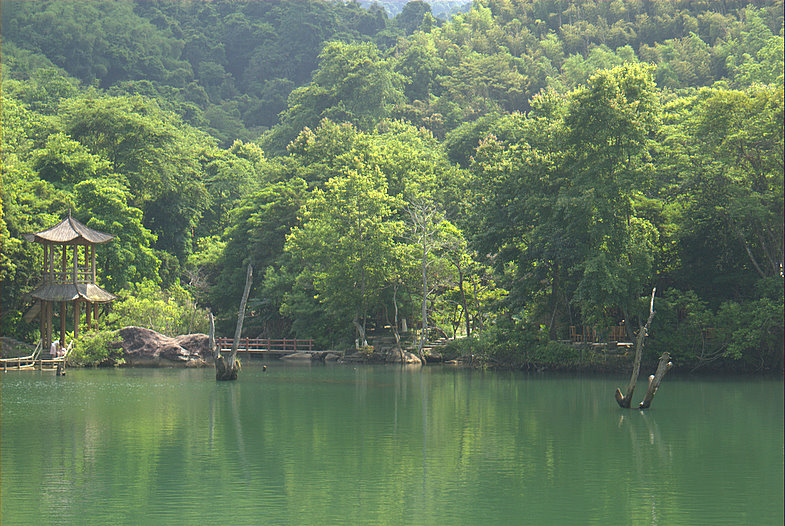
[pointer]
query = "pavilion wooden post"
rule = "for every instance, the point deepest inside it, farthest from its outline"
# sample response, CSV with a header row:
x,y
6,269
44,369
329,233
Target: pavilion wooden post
x,y
42,324
77,316
62,324
76,309
47,312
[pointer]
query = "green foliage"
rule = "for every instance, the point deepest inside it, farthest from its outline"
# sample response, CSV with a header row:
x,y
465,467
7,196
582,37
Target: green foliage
x,y
95,347
171,312
129,258
346,243
754,331
746,334
230,69
259,227
753,53
526,348
577,153
352,84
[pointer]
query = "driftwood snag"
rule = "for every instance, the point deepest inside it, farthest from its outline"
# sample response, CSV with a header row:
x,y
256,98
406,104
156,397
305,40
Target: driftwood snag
x,y
211,338
654,380
226,369
624,400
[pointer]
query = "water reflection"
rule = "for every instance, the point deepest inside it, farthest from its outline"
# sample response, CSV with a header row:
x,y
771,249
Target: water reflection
x,y
394,445
424,406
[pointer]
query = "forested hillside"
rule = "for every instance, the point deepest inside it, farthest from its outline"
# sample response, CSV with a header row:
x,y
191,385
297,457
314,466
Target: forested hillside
x,y
520,168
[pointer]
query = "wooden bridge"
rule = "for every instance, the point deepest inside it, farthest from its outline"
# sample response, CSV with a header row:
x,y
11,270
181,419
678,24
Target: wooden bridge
x,y
265,346
35,362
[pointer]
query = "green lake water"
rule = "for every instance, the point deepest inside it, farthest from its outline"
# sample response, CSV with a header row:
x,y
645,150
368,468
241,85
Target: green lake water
x,y
385,445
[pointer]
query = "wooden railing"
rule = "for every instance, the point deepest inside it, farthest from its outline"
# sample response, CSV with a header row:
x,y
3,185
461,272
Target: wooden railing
x,y
34,361
259,345
592,334
83,275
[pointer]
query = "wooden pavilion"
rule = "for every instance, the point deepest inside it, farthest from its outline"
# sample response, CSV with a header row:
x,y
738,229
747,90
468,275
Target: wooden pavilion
x,y
72,280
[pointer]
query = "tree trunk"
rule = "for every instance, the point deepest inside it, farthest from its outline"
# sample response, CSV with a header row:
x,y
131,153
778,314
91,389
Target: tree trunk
x,y
479,325
424,335
655,379
361,332
395,324
363,341
463,302
227,369
214,349
625,400
554,302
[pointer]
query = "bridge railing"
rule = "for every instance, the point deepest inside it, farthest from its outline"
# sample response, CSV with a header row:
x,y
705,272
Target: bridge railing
x,y
268,344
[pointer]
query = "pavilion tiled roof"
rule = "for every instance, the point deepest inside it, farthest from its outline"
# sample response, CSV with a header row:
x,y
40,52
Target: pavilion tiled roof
x,y
69,231
72,291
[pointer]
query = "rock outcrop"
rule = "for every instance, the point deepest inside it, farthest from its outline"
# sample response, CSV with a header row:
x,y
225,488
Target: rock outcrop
x,y
11,348
407,358
145,347
383,356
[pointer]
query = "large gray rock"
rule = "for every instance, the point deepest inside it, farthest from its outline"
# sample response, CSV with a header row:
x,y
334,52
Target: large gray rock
x,y
145,347
196,344
408,358
298,356
11,348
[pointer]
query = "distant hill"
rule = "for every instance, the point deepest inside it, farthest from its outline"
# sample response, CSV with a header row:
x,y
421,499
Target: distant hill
x,y
442,9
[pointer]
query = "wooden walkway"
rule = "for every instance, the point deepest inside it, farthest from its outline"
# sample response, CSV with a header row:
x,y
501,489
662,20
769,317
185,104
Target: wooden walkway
x,y
24,363
34,362
263,346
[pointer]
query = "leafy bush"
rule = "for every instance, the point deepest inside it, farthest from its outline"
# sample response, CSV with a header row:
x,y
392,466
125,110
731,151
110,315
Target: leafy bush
x,y
557,354
459,347
94,347
171,312
683,326
746,334
752,331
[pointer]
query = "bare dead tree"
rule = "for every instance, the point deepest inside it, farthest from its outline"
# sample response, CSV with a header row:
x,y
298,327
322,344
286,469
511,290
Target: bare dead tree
x,y
425,218
211,337
227,369
624,400
654,380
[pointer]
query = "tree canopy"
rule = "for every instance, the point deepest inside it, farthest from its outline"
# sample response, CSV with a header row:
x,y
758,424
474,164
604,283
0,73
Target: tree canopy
x,y
569,156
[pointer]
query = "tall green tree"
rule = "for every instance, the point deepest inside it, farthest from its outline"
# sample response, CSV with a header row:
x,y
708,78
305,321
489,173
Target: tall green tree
x,y
258,229
346,243
558,203
353,83
129,258
154,154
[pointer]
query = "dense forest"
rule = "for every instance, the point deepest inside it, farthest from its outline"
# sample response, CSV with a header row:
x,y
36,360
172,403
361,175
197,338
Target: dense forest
x,y
502,171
